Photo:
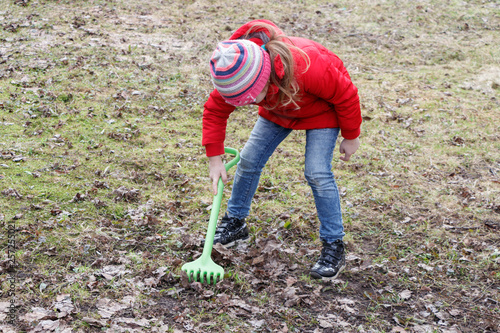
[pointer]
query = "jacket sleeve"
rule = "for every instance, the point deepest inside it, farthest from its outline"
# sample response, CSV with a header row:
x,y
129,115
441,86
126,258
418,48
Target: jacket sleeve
x,y
328,79
215,114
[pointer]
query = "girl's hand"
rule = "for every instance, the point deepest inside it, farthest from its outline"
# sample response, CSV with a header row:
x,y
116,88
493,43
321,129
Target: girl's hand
x,y
217,170
348,147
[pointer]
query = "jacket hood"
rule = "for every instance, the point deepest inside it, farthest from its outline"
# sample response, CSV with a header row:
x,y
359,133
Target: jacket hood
x,y
259,36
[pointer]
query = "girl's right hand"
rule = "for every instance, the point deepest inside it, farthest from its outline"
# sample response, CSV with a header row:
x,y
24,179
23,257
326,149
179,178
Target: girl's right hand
x,y
217,170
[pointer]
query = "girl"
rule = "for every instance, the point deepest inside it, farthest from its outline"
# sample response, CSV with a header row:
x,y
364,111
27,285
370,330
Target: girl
x,y
298,84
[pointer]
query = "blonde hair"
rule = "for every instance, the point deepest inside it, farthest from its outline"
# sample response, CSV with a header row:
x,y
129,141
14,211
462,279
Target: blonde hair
x,y
287,85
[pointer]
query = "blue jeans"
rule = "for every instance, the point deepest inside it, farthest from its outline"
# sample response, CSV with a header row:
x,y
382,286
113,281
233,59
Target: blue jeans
x,y
320,144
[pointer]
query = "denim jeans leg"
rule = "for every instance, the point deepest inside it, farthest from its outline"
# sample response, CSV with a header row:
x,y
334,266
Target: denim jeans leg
x,y
320,145
264,139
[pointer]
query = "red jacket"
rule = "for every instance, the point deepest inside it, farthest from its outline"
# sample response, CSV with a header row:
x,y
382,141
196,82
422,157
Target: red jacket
x,y
328,98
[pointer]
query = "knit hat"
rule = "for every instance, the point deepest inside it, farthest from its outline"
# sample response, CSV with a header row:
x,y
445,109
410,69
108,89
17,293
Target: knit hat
x,y
240,70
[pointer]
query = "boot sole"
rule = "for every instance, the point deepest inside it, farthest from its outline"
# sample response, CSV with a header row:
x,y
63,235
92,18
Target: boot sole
x,y
327,278
236,242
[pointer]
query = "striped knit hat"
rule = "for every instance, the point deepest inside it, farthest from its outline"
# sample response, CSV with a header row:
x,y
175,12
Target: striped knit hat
x,y
240,70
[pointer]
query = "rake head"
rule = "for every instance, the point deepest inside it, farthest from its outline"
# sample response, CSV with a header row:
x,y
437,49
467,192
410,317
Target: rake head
x,y
203,270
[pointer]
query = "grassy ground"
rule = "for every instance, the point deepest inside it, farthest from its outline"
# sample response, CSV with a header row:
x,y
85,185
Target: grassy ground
x,y
104,177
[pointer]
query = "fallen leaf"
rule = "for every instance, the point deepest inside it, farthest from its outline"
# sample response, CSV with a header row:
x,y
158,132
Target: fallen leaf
x,y
127,195
392,274
424,314
347,301
354,259
64,305
111,271
132,322
258,260
94,322
208,294
78,197
405,294
290,281
426,267
442,315
151,282
51,251
223,299
325,324
128,300
38,314
348,309
257,323
184,280
290,296
397,329
197,286
47,326
10,192
106,308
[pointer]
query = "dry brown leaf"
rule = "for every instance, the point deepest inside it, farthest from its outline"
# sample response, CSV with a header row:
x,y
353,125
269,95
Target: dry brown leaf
x,y
290,281
127,195
347,301
397,329
223,299
51,326
10,192
111,271
64,305
258,260
133,322
405,294
38,314
325,324
107,308
94,322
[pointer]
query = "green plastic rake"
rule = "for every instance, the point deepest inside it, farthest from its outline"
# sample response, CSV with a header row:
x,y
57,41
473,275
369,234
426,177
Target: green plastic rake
x,y
204,269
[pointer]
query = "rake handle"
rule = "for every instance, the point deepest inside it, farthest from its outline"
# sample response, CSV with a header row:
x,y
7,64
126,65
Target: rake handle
x,y
214,214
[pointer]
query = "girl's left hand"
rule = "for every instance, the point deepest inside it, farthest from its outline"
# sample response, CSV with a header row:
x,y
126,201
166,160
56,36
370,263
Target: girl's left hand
x,y
348,147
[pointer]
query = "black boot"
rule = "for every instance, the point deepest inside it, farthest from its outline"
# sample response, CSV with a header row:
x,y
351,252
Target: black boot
x,y
231,231
331,261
